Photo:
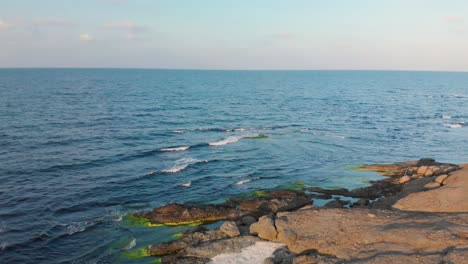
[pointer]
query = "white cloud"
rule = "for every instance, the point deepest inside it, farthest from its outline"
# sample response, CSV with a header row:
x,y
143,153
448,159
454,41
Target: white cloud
x,y
125,25
455,19
86,37
282,36
52,22
5,25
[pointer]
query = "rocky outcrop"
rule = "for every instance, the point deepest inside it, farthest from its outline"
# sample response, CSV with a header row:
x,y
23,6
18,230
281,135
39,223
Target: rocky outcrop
x,y
206,251
178,214
402,219
419,168
360,233
188,239
273,201
452,197
269,201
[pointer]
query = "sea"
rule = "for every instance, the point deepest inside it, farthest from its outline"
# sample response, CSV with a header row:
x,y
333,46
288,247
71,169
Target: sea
x,y
83,149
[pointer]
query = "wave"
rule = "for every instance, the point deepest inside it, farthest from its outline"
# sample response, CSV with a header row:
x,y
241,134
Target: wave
x,y
130,245
228,140
3,246
182,164
174,149
446,117
186,185
456,125
234,139
246,181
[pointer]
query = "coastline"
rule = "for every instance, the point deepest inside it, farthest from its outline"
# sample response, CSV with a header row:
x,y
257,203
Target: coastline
x,y
418,214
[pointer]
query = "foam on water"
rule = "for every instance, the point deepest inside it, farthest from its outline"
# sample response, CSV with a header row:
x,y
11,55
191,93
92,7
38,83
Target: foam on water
x,y
228,140
245,181
186,185
183,164
130,245
456,125
446,117
175,149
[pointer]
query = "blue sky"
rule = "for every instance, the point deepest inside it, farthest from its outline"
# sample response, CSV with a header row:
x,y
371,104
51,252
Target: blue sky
x,y
243,34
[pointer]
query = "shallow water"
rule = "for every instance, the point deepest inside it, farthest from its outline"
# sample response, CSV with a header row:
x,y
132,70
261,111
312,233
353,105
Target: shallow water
x,y
81,148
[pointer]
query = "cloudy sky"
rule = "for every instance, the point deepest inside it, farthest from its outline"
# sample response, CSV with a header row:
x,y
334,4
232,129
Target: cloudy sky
x,y
242,34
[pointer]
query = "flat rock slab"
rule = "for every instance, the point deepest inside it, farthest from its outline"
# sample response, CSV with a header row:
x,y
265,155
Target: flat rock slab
x,y
452,197
362,233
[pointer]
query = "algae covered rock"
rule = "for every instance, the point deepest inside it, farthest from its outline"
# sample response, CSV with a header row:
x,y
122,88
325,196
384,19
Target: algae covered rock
x,y
178,214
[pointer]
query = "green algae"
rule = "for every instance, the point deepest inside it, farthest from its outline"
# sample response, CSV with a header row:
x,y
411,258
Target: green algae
x,y
138,253
178,235
133,220
297,186
259,136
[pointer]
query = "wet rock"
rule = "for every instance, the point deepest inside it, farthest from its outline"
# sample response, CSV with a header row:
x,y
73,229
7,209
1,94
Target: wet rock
x,y
178,214
281,256
191,238
405,179
274,201
230,228
313,257
248,220
264,228
337,203
171,259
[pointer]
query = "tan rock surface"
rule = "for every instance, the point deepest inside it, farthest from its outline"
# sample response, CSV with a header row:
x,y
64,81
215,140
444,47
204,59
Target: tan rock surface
x,y
452,197
351,233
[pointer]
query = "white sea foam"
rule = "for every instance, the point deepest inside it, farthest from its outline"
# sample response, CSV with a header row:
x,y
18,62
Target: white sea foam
x,y
3,245
446,117
77,227
456,125
186,185
245,181
228,140
179,131
130,245
182,164
175,149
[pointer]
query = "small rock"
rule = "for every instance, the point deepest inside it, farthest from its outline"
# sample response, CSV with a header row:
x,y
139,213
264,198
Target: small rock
x,y
432,185
371,215
230,228
422,170
265,228
429,172
405,179
248,220
441,179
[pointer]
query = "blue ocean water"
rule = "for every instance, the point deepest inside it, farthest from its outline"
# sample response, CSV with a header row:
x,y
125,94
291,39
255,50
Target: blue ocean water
x,y
81,148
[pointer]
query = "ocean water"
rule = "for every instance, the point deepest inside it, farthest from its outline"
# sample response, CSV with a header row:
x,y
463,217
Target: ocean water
x,y
82,148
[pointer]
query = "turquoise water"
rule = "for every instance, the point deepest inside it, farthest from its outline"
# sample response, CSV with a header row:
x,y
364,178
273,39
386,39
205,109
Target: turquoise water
x,y
81,148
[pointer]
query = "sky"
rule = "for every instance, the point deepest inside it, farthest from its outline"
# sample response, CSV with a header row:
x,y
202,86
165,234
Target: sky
x,y
241,34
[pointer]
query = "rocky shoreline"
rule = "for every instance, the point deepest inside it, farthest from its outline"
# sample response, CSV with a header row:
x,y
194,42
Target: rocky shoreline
x,y
419,214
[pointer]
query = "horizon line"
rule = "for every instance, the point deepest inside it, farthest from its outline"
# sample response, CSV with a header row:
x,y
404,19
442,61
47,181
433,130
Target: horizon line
x,y
209,69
